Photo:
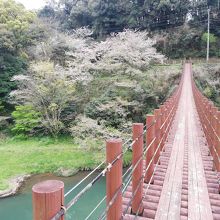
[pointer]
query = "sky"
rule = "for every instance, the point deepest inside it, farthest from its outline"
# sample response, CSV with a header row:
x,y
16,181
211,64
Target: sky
x,y
32,4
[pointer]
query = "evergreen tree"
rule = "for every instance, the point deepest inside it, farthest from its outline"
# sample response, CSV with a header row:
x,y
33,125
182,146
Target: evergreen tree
x,y
15,36
111,16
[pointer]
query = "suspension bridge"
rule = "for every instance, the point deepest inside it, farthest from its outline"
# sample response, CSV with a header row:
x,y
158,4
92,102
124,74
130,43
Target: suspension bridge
x,y
175,168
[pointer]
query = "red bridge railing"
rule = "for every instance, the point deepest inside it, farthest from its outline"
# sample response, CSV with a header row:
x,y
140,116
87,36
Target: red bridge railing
x,y
48,197
210,120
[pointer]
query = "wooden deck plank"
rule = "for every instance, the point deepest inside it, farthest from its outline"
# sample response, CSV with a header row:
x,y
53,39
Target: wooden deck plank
x,y
170,200
198,197
181,190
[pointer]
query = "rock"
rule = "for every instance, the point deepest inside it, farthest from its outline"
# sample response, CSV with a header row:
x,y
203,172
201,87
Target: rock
x,y
4,121
14,185
66,172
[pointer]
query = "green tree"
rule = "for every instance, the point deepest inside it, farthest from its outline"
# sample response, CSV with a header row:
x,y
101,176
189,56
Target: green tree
x,y
26,119
111,16
16,20
161,14
214,51
9,66
212,38
49,91
107,16
15,36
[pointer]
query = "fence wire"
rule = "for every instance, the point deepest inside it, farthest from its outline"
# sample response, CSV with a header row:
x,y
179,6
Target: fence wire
x,y
131,169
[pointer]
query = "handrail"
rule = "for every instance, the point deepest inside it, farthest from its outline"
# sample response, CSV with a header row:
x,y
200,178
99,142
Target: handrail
x,y
147,168
210,120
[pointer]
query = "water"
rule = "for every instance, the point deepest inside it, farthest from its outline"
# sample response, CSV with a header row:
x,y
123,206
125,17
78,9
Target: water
x,y
19,207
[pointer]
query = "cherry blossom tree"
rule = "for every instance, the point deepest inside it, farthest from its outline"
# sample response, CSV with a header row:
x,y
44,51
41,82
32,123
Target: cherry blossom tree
x,y
128,52
49,88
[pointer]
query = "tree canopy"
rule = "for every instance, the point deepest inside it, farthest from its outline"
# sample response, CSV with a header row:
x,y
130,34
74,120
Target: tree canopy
x,y
15,21
16,34
107,16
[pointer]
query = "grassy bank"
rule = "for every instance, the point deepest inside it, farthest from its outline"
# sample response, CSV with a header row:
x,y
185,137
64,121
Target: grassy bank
x,y
43,155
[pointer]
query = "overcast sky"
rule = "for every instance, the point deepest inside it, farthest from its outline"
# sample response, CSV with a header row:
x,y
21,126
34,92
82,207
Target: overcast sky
x,y
32,4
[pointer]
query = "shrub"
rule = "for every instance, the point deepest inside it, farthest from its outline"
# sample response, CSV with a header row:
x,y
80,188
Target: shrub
x,y
49,90
26,119
111,113
208,92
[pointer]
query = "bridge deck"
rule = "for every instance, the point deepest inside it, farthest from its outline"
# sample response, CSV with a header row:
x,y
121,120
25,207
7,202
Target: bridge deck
x,y
185,186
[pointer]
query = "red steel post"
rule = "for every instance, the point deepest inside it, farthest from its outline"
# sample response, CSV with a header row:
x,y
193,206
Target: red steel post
x,y
170,113
157,113
48,198
214,137
206,122
218,141
205,115
150,153
210,128
163,118
202,110
114,179
137,177
167,121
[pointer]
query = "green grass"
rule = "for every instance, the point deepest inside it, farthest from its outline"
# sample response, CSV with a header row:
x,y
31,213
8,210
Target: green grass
x,y
46,155
43,155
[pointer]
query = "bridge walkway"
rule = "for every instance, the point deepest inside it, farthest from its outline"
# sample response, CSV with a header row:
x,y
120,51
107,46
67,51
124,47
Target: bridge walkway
x,y
185,184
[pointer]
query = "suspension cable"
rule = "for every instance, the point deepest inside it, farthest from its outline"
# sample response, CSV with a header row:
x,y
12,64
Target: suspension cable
x,y
148,185
133,168
133,195
143,176
103,215
108,168
85,178
146,149
91,213
86,188
136,139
